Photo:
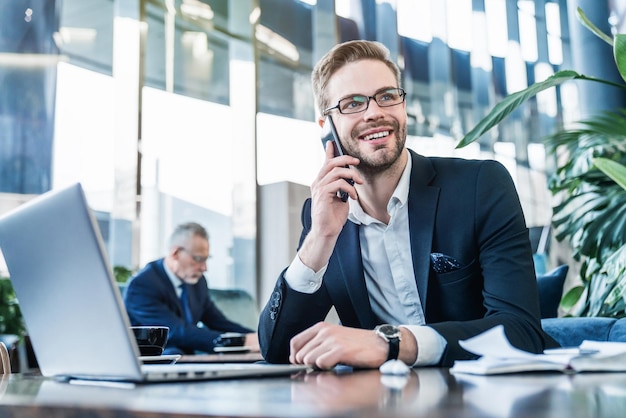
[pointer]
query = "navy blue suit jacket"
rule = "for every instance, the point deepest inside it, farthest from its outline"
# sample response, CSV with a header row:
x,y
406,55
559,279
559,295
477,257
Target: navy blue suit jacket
x,y
467,209
151,300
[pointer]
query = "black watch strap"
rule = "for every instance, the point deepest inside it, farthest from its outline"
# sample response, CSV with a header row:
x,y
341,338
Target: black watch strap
x,y
394,348
391,334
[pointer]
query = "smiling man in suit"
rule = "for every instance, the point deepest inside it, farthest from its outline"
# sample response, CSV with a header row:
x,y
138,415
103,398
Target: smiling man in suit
x,y
426,252
173,292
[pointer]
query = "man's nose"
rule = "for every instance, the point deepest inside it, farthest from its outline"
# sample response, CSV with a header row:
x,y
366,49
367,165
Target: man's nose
x,y
373,111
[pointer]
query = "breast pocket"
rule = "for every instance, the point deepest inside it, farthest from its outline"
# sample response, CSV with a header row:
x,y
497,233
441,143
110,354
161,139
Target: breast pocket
x,y
457,294
451,277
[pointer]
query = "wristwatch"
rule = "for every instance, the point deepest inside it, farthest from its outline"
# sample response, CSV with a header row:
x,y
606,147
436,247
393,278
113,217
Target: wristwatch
x,y
391,334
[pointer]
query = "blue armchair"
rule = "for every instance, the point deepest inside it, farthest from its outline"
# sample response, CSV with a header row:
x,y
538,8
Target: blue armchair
x,y
570,332
550,286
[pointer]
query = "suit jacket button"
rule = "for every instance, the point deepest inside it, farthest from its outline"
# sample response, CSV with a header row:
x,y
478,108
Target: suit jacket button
x,y
275,300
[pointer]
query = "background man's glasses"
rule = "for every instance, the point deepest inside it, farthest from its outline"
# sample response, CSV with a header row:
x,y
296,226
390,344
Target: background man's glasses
x,y
360,102
197,258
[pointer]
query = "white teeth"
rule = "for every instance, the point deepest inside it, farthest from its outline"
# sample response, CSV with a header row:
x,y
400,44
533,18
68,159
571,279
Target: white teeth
x,y
376,135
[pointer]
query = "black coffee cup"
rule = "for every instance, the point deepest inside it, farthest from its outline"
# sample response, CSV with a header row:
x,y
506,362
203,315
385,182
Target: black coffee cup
x,y
150,339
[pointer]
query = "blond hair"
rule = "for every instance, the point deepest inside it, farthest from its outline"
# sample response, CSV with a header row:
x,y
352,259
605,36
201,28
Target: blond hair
x,y
341,55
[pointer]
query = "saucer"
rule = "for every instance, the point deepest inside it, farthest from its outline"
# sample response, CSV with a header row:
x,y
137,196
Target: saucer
x,y
163,359
150,350
232,349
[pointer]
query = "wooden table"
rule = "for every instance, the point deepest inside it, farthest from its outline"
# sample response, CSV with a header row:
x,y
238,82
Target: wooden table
x,y
429,392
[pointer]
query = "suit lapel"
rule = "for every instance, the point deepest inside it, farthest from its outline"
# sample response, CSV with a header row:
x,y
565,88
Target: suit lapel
x,y
422,209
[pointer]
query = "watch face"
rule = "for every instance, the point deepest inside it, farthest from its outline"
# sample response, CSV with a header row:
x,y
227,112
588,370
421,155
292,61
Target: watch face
x,y
389,331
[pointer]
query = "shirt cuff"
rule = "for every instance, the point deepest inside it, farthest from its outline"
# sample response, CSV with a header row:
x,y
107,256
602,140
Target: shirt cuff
x,y
430,344
303,279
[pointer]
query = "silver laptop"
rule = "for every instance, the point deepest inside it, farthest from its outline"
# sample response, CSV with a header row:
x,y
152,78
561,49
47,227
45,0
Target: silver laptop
x,y
71,304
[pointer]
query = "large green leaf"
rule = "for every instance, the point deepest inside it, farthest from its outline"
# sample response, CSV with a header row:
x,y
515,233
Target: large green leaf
x,y
593,28
607,297
615,170
615,265
619,53
572,297
512,102
618,42
606,231
593,221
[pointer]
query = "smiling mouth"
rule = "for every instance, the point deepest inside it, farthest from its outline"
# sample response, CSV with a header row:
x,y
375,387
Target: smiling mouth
x,y
376,135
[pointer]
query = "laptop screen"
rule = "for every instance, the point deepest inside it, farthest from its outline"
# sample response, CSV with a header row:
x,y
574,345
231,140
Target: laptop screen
x,y
71,304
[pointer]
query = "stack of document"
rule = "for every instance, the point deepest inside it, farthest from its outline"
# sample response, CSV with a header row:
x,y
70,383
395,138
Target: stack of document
x,y
498,356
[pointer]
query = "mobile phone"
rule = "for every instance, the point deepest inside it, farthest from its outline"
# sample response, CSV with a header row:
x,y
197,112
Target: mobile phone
x,y
329,133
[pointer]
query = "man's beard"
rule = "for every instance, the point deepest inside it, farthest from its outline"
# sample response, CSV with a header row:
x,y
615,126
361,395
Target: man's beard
x,y
374,163
192,280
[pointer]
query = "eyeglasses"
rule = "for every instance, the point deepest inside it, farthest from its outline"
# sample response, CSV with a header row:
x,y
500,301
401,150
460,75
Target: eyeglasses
x,y
360,102
197,258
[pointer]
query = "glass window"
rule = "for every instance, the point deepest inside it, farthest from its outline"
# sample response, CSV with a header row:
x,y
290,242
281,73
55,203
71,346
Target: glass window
x,y
527,29
459,25
461,69
285,45
499,76
553,24
85,35
415,20
284,91
415,59
184,53
187,176
28,61
546,100
497,33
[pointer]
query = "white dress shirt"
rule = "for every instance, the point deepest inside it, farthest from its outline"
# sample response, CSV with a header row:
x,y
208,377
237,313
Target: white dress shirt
x,y
388,268
176,281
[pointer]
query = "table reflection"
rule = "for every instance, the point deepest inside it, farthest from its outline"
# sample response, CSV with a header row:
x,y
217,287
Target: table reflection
x,y
425,392
422,390
571,395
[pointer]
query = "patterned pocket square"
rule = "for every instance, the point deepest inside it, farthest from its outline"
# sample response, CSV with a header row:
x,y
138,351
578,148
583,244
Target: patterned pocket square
x,y
444,263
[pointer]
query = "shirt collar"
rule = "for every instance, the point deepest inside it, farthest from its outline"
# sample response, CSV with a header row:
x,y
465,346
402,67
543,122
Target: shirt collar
x,y
398,198
176,281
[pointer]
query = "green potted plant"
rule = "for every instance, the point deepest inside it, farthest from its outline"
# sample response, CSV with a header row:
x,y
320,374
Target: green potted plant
x,y
591,182
11,321
122,274
592,212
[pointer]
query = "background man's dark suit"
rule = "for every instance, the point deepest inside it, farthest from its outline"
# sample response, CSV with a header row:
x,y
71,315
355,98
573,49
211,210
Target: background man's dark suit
x,y
466,209
151,300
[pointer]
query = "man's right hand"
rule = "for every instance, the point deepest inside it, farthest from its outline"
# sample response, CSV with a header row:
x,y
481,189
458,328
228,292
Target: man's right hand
x,y
328,212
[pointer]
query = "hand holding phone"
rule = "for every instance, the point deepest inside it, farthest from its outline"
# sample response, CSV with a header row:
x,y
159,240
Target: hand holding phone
x,y
329,133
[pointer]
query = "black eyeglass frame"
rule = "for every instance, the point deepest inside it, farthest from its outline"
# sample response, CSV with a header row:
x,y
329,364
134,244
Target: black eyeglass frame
x,y
400,90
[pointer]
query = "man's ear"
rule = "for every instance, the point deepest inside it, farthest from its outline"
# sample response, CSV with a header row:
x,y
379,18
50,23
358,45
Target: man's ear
x,y
320,121
174,252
